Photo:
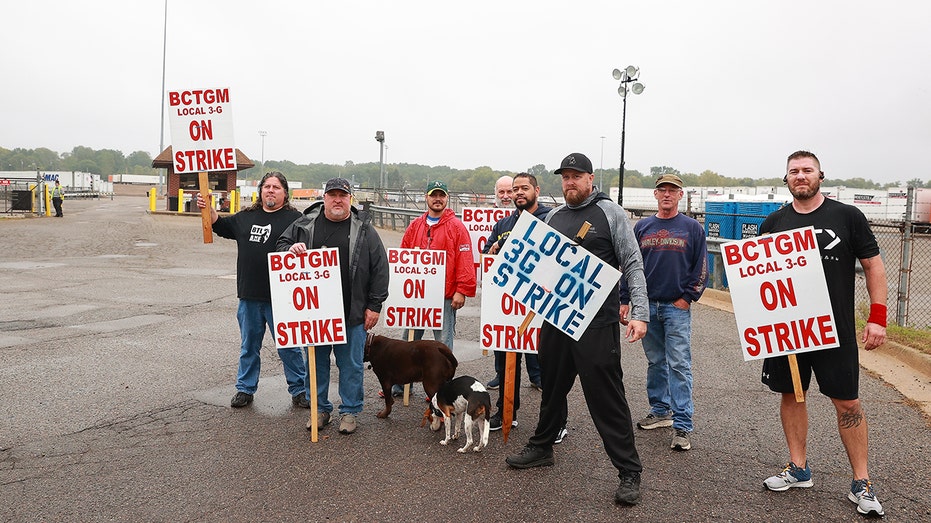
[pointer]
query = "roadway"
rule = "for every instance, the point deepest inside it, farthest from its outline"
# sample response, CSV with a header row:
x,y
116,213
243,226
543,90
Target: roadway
x,y
118,352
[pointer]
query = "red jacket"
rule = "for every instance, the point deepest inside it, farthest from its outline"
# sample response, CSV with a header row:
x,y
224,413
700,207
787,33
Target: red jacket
x,y
448,235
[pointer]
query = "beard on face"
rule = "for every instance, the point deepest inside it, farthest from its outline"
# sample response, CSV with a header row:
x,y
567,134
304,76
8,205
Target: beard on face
x,y
528,203
805,193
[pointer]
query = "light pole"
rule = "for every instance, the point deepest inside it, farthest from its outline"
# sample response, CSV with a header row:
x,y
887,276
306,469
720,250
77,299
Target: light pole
x,y
263,134
602,166
626,75
161,131
380,138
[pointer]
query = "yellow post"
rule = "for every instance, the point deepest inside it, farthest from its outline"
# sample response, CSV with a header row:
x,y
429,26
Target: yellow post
x,y
255,196
48,200
180,200
152,199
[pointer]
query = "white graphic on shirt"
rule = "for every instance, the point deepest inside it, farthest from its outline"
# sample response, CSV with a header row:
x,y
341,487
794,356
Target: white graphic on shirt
x,y
834,239
260,233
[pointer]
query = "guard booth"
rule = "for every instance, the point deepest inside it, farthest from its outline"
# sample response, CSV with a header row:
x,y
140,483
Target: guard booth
x,y
222,183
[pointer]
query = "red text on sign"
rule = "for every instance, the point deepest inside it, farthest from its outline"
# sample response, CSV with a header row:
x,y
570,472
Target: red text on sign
x,y
205,160
199,96
422,317
789,336
310,332
768,246
505,336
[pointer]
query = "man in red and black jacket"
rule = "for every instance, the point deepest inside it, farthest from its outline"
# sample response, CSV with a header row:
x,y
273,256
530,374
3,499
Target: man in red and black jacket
x,y
439,229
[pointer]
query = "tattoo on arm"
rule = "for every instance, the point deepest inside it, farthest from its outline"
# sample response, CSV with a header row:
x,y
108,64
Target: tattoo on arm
x,y
851,418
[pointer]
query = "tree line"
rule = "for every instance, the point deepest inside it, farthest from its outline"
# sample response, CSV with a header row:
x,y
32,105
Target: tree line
x,y
413,177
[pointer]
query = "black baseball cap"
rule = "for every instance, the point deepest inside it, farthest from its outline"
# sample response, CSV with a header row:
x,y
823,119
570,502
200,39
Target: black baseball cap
x,y
338,183
576,162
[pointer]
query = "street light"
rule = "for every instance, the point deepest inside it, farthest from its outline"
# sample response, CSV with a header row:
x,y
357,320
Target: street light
x,y
263,134
625,76
380,138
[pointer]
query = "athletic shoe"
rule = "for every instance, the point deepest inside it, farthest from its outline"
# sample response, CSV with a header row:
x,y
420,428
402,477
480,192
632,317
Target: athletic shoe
x,y
300,400
241,399
323,419
791,476
531,456
680,441
497,421
561,435
628,492
652,421
347,424
862,493
493,384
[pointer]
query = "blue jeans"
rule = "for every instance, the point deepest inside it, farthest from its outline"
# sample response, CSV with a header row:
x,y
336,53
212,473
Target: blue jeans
x,y
448,332
351,371
253,316
667,346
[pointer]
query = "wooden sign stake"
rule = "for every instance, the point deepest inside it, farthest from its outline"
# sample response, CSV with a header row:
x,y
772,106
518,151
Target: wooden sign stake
x,y
205,212
796,379
312,390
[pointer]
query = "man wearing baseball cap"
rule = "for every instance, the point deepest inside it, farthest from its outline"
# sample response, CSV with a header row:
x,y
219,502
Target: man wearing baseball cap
x,y
675,261
594,357
363,267
440,229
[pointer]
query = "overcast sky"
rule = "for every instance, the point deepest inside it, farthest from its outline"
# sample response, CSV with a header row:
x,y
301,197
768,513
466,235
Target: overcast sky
x,y
731,86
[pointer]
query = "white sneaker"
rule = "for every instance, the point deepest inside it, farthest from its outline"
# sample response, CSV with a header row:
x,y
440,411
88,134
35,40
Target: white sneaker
x,y
791,476
561,435
861,493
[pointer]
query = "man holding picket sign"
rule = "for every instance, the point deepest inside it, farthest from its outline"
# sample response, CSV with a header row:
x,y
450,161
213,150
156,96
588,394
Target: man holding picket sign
x,y
838,234
572,343
363,268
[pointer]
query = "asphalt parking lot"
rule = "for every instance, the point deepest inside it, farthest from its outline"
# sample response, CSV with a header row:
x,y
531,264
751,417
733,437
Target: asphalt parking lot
x,y
118,353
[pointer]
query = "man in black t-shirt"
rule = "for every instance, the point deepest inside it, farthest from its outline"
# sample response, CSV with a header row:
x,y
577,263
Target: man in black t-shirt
x,y
844,236
256,231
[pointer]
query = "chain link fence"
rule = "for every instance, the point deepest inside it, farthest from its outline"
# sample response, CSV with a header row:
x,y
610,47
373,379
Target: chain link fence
x,y
906,255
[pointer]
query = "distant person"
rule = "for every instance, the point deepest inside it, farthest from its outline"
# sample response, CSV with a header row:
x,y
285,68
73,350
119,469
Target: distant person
x,y
844,236
595,358
58,195
503,193
441,230
675,264
256,229
363,266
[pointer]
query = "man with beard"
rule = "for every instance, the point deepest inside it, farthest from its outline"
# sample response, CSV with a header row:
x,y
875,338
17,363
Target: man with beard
x,y
256,230
525,192
844,236
595,358
363,268
440,229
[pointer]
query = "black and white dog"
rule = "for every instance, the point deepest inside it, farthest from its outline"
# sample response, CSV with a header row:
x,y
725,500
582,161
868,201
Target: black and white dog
x,y
462,401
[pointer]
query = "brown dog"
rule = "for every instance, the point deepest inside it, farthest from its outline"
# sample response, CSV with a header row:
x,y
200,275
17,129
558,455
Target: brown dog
x,y
399,362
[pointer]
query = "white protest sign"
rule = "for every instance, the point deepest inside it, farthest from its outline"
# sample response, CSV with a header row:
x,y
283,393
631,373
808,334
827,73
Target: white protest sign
x,y
552,276
307,298
479,221
781,300
502,315
416,288
201,122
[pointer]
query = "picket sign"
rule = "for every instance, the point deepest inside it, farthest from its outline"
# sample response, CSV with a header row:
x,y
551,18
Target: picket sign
x,y
416,284
780,296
